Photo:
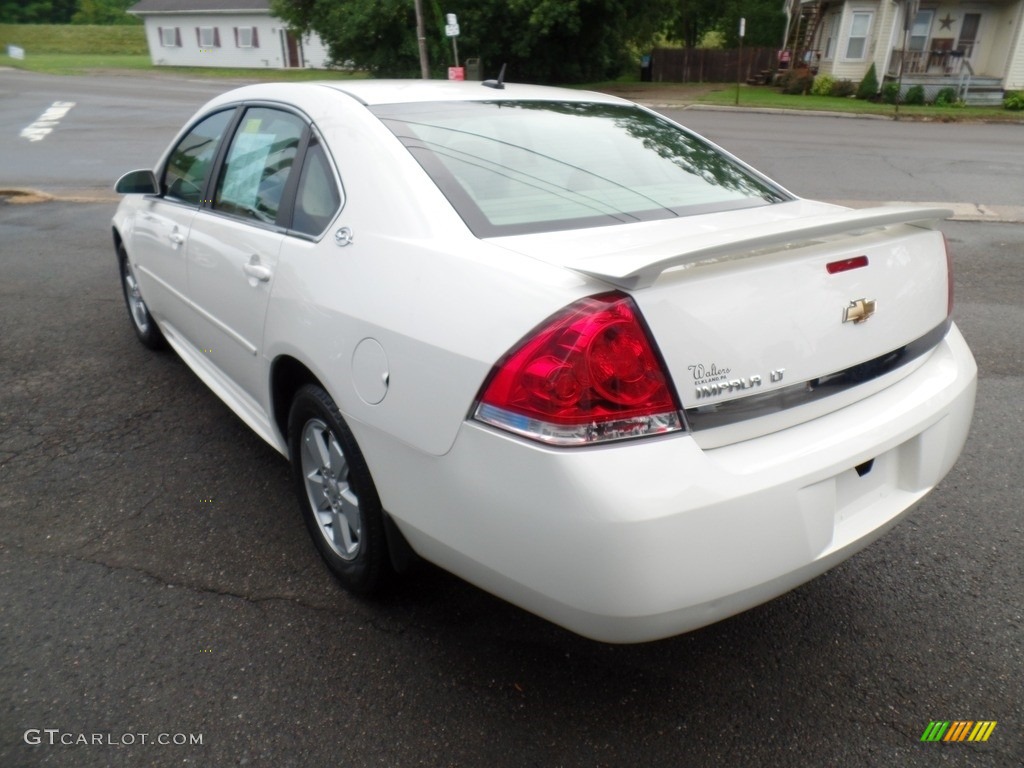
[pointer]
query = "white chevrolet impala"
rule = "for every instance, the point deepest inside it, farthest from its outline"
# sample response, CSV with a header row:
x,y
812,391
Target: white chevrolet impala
x,y
550,341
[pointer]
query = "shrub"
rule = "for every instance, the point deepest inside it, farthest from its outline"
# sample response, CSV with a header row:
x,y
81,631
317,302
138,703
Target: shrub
x,y
915,95
823,85
796,81
868,87
844,88
1014,100
891,93
946,97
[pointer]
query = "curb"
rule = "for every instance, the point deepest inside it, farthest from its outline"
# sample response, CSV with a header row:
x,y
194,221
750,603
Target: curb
x,y
776,111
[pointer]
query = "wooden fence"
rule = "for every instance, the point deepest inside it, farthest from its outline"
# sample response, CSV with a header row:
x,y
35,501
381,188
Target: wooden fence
x,y
697,65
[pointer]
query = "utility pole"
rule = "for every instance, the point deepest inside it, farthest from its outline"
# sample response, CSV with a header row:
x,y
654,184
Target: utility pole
x,y
910,14
739,63
421,36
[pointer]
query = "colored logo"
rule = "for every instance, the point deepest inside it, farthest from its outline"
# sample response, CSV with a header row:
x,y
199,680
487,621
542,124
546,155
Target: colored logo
x,y
859,311
958,730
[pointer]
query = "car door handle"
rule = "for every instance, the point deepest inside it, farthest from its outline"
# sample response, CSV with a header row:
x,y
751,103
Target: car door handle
x,y
257,271
176,237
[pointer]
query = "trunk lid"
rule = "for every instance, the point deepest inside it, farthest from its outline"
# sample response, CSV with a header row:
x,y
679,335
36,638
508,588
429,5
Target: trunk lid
x,y
770,317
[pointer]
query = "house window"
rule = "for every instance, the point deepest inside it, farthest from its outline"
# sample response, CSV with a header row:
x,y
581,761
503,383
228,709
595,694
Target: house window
x,y
856,45
208,37
920,29
246,37
170,37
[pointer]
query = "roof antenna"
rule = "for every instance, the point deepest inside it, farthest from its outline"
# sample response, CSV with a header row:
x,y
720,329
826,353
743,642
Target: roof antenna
x,y
499,83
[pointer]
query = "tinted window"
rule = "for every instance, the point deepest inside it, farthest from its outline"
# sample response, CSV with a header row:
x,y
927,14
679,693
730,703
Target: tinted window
x,y
258,163
317,199
511,167
190,161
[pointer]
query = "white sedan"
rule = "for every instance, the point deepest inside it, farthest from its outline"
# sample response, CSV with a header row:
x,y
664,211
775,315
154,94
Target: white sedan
x,y
550,341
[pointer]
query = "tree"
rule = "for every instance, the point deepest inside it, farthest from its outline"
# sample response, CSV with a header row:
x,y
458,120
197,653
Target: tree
x,y
36,11
104,12
550,41
694,19
765,27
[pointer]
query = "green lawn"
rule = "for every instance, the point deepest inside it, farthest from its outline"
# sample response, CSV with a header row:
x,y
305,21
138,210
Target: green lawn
x,y
75,63
764,96
87,39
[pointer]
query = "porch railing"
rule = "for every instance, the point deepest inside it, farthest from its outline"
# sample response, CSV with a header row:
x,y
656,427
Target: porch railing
x,y
938,62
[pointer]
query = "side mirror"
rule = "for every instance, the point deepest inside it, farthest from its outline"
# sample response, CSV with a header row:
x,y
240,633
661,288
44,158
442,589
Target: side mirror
x,y
137,183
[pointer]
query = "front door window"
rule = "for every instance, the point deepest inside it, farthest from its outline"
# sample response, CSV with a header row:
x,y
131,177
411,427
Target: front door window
x,y
968,34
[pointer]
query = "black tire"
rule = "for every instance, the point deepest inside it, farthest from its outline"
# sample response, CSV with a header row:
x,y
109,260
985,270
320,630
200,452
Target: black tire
x,y
145,327
336,493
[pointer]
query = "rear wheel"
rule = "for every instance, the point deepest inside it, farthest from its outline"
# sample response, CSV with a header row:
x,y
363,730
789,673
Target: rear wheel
x,y
336,492
145,327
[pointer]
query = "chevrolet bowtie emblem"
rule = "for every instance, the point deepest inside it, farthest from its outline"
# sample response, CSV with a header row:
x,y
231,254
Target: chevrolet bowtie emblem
x,y
859,311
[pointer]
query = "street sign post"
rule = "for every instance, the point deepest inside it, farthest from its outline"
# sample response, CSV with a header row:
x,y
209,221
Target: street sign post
x,y
451,29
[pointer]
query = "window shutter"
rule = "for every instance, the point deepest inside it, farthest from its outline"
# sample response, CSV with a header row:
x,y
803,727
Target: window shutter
x,y
236,37
160,34
216,37
177,36
199,40
255,38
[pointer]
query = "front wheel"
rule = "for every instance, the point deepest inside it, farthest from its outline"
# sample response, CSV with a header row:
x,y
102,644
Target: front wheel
x,y
336,492
142,322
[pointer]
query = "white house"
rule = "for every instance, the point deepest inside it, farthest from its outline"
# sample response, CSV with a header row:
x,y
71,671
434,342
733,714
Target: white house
x,y
973,45
225,33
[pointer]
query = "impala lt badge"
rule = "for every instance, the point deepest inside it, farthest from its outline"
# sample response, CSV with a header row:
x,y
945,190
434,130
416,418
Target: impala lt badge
x,y
859,311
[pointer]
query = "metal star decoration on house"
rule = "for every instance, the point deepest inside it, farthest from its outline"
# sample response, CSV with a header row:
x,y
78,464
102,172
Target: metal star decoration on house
x,y
947,23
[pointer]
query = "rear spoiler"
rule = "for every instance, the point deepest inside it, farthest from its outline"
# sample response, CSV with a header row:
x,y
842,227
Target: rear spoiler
x,y
639,269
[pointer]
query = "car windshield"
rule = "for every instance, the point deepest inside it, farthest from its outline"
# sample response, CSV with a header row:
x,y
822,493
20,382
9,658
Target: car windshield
x,y
514,167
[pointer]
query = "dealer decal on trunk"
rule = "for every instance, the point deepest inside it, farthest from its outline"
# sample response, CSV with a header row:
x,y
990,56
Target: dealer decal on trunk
x,y
712,381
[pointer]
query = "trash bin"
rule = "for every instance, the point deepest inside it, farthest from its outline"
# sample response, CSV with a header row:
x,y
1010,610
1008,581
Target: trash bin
x,y
645,68
473,69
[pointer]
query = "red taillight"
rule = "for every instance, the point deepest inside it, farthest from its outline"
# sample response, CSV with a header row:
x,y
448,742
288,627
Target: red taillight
x,y
845,265
588,375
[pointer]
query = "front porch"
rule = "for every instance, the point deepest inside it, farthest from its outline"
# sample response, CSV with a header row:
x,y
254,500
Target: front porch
x,y
944,68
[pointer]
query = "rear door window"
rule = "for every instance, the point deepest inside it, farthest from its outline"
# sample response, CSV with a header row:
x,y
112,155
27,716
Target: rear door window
x,y
258,164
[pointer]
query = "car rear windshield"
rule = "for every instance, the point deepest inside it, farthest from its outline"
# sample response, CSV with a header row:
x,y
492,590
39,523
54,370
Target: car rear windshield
x,y
515,167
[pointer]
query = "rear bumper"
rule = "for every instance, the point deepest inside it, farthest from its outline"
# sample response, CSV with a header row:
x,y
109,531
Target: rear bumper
x,y
642,540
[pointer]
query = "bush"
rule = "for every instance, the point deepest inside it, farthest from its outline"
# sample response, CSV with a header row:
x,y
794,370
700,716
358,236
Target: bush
x,y
843,88
796,81
915,95
823,85
1014,100
868,87
891,93
946,97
